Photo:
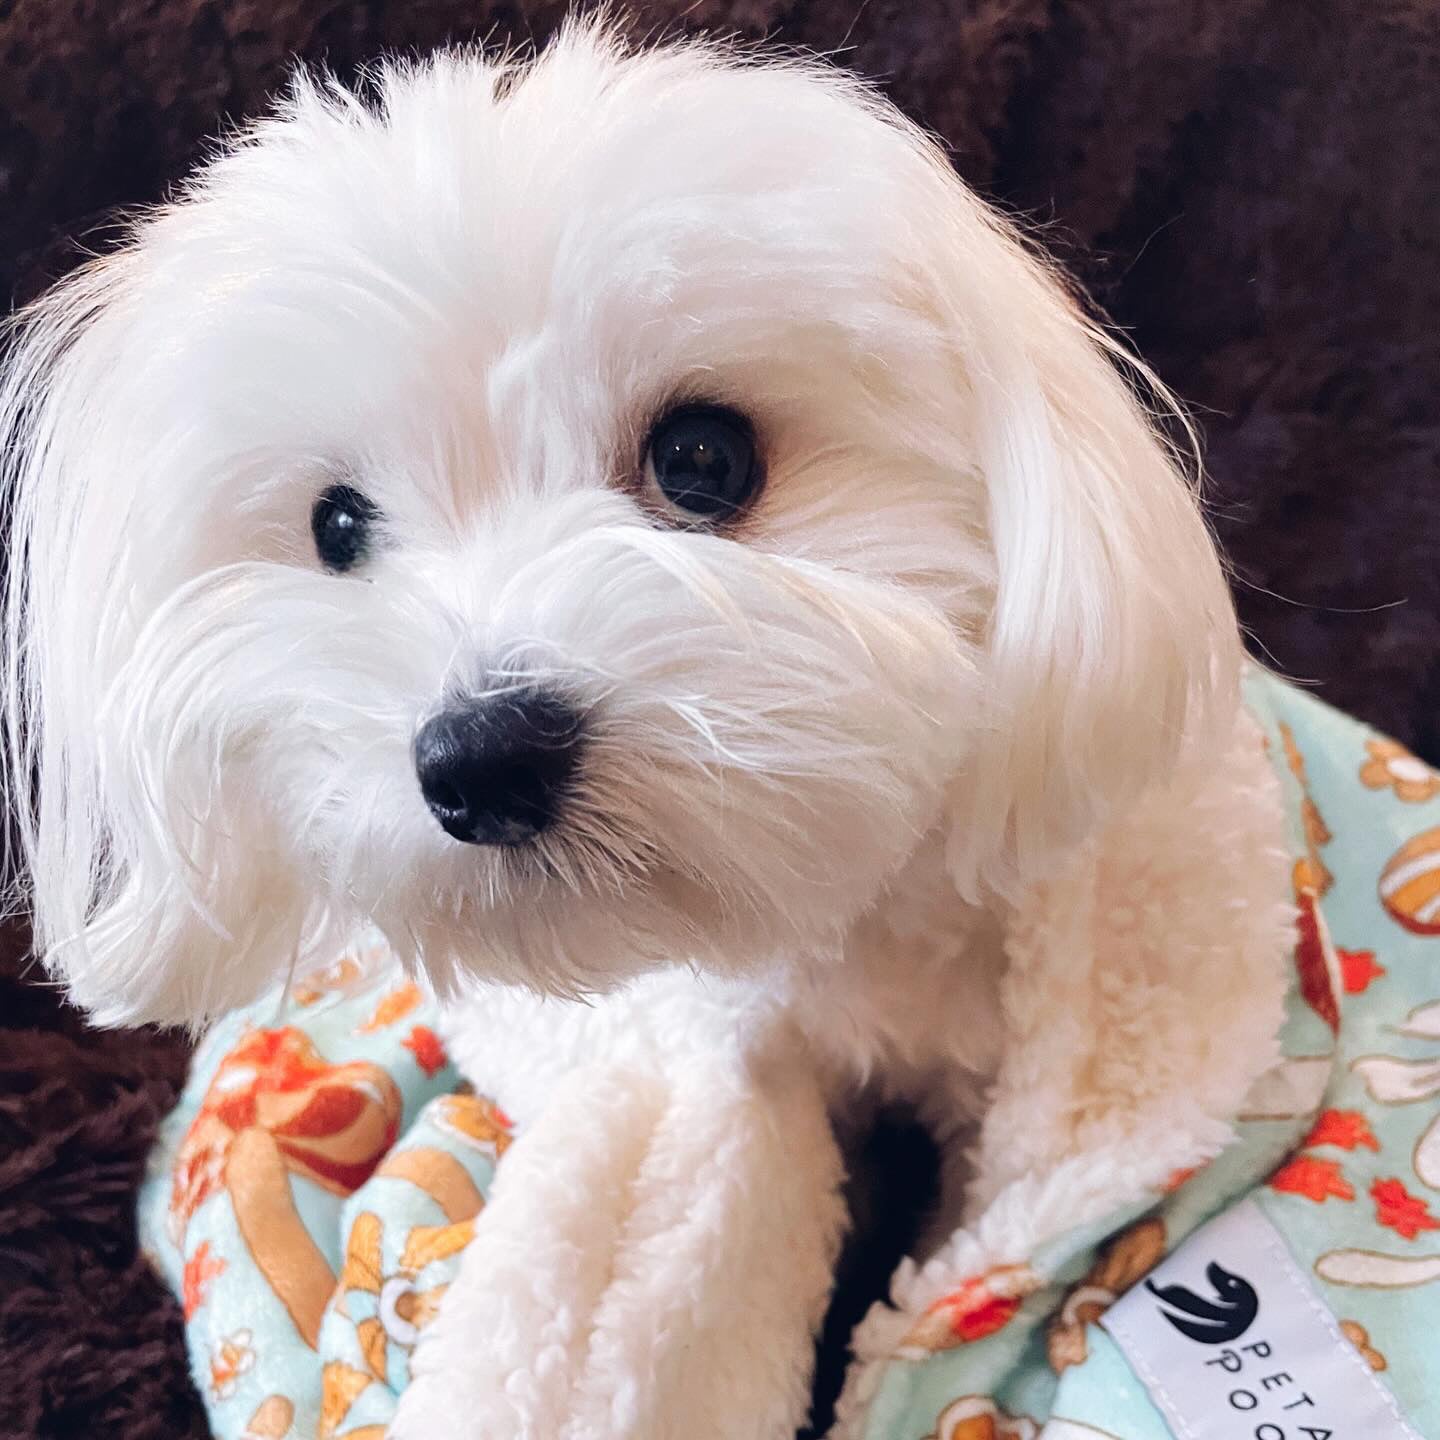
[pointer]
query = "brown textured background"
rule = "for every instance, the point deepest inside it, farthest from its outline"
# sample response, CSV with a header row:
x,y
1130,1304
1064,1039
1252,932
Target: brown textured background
x,y
1250,187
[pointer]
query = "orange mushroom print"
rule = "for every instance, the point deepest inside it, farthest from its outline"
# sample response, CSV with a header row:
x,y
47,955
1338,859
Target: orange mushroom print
x,y
341,1386
403,1308
276,1109
1310,872
233,1357
272,1419
978,1417
1392,767
1359,1337
1125,1262
1410,884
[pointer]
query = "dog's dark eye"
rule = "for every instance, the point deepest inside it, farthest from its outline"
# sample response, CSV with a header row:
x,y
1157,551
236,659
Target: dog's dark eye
x,y
341,523
704,461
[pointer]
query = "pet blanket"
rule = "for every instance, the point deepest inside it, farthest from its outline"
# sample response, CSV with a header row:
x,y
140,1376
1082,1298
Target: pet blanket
x,y
312,1193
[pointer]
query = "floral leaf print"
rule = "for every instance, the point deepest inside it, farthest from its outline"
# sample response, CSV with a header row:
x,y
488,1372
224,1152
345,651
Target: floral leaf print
x,y
477,1121
341,977
428,1243
1358,969
1310,873
232,1357
394,1005
362,1267
200,1269
1310,877
341,1386
1316,1180
1345,1129
424,1044
1398,1210
373,1343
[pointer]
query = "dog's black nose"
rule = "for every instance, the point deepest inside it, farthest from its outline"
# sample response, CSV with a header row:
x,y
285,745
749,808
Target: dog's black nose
x,y
495,769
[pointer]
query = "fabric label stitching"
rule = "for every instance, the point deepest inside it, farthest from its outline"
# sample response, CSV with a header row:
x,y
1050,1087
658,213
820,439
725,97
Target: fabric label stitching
x,y
1233,1343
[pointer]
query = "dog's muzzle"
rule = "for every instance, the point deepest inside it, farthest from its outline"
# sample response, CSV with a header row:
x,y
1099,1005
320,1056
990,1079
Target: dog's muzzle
x,y
495,769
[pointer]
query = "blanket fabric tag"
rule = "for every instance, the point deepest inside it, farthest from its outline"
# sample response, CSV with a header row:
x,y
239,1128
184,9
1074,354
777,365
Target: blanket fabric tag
x,y
1233,1343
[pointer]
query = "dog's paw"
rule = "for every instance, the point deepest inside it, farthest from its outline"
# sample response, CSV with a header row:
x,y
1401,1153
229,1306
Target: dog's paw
x,y
654,1260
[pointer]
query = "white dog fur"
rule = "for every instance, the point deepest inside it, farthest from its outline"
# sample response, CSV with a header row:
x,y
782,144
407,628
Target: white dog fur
x,y
931,772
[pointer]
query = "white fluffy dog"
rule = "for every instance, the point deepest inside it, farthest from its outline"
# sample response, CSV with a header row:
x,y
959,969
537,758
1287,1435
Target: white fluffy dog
x,y
633,525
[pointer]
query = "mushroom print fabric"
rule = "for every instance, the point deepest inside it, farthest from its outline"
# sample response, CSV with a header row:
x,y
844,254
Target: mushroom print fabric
x,y
313,1192
310,1198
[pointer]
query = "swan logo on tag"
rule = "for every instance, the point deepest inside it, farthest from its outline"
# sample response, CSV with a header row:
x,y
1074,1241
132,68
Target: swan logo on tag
x,y
1234,1343
1211,1322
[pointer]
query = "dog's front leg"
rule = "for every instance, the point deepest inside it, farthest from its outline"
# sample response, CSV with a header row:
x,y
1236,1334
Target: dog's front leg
x,y
653,1262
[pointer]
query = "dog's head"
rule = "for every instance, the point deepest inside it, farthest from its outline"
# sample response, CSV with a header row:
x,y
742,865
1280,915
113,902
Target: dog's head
x,y
576,516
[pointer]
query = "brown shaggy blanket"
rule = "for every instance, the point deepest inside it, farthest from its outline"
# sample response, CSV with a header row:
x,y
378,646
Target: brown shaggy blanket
x,y
1250,187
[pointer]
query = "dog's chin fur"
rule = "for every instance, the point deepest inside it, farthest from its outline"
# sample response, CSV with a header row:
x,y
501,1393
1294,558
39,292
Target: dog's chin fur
x,y
975,599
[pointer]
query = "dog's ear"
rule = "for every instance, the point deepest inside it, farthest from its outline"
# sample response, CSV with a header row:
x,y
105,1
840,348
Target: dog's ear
x,y
121,846
1112,636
